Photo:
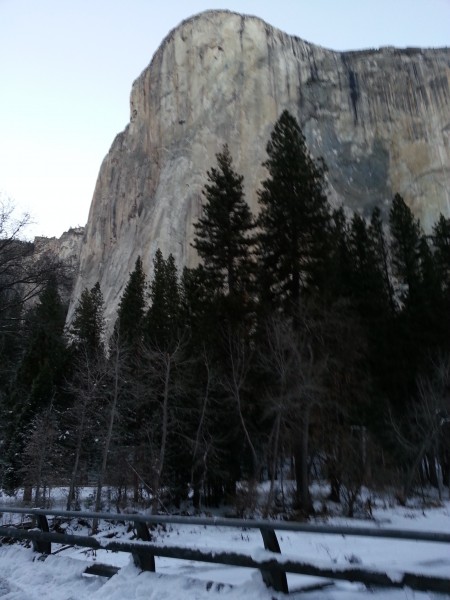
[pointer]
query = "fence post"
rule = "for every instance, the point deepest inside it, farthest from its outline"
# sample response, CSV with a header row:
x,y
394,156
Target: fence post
x,y
145,562
40,545
274,579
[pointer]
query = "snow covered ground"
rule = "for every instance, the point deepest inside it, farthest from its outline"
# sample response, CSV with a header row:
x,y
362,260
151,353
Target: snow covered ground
x,y
23,576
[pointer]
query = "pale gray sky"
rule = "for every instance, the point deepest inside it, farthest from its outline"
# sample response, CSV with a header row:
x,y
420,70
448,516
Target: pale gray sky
x,y
66,69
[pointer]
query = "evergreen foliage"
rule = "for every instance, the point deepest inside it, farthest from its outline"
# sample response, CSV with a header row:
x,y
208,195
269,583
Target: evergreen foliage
x,y
332,352
43,360
366,255
223,234
441,242
339,265
163,315
40,374
88,325
11,347
406,234
23,276
441,257
380,249
294,216
132,306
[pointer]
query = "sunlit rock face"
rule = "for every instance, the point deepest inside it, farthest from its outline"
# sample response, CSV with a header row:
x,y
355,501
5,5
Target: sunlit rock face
x,y
380,119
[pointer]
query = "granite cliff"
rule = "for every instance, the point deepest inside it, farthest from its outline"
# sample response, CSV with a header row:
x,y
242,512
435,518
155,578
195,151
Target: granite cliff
x,y
65,249
380,118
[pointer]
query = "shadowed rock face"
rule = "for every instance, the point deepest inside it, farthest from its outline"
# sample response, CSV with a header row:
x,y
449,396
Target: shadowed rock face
x,y
67,249
380,119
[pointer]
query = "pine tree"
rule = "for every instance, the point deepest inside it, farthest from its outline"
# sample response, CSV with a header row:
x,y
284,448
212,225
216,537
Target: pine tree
x,y
381,253
294,217
173,293
223,234
199,310
413,267
46,346
441,243
293,245
432,312
12,339
429,273
131,311
362,262
163,315
405,242
372,309
339,264
88,325
369,287
40,376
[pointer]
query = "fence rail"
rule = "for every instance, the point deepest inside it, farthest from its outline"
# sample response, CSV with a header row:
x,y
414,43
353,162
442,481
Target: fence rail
x,y
270,562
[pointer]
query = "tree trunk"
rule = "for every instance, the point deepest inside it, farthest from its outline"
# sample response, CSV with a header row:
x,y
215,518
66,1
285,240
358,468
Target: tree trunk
x,y
410,474
301,466
433,475
27,493
197,474
112,416
335,493
162,451
73,478
273,467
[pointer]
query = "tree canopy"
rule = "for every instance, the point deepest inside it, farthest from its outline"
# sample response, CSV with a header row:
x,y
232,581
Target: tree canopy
x,y
294,215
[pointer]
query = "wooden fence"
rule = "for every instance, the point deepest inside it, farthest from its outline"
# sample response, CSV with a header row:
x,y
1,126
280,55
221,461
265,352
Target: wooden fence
x,y
270,562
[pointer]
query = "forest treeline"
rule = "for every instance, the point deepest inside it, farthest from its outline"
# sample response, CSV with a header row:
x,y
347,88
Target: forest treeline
x,y
308,343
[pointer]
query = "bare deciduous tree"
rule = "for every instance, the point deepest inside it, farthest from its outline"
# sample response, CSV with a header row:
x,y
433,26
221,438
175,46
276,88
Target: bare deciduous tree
x,y
23,275
40,456
298,375
116,365
426,423
202,444
87,389
234,381
162,367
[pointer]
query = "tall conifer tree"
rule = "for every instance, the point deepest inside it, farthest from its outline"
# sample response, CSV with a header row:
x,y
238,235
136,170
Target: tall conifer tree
x,y
294,217
381,253
40,376
163,315
339,267
441,243
131,311
293,248
405,245
368,282
223,234
88,325
411,261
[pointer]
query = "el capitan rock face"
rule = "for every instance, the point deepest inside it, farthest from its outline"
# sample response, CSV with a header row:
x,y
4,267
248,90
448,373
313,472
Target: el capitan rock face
x,y
380,118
